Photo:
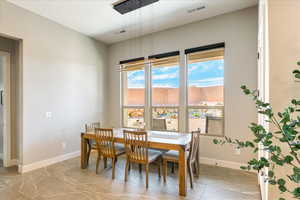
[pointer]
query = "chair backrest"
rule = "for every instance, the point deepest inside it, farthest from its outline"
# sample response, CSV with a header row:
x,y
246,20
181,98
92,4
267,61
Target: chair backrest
x,y
136,145
194,148
105,142
91,127
159,124
214,125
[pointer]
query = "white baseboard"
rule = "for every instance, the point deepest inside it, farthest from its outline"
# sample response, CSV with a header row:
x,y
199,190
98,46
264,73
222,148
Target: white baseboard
x,y
221,163
10,163
45,163
13,162
51,161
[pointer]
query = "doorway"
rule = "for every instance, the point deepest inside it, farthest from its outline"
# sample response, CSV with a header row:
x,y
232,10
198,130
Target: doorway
x,y
5,132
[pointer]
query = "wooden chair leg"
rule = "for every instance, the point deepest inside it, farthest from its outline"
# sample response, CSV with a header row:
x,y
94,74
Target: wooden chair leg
x,y
158,167
89,151
113,167
140,168
147,175
173,167
190,171
165,169
98,160
198,163
196,166
129,166
126,169
105,162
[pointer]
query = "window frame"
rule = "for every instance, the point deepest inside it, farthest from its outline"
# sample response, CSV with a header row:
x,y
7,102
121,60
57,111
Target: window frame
x,y
151,106
189,107
123,106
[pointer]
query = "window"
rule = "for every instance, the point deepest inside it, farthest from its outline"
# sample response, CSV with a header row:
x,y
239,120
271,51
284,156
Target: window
x,y
206,91
151,91
133,106
165,91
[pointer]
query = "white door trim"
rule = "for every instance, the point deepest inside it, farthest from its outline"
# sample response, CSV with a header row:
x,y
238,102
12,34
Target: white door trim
x,y
7,108
263,83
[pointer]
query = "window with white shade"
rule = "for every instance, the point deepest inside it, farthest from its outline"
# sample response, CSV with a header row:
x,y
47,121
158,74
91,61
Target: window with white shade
x,y
133,106
165,86
205,81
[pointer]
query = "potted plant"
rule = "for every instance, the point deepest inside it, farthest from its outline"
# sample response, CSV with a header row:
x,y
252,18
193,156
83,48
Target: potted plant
x,y
287,125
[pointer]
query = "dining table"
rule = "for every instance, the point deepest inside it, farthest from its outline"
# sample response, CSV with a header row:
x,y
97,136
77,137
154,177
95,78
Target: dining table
x,y
157,139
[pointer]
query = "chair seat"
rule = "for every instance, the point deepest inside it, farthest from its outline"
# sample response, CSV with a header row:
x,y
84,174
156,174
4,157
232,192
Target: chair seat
x,y
153,155
171,155
120,149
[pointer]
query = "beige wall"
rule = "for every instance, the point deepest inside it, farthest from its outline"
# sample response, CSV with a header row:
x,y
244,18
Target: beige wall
x,y
239,31
63,72
284,48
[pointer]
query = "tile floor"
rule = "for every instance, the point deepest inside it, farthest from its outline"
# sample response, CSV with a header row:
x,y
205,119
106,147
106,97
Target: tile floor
x,y
66,181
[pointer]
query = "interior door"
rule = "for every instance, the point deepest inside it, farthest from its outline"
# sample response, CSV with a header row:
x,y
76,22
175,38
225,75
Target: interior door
x,y
5,108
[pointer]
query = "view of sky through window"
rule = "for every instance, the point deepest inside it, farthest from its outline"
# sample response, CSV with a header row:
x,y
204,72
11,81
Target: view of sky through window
x,y
202,74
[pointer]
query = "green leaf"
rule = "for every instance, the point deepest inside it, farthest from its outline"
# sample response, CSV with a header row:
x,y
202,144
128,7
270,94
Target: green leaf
x,y
281,182
288,159
296,192
296,170
296,71
297,76
270,174
282,188
247,91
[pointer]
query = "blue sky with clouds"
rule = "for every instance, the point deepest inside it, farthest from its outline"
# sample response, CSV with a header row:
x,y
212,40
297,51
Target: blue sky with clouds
x,y
204,74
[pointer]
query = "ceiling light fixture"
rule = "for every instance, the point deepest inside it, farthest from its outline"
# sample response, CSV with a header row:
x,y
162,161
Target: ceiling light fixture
x,y
126,6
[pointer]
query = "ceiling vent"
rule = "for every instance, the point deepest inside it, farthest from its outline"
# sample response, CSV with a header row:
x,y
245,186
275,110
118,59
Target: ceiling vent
x,y
127,6
196,9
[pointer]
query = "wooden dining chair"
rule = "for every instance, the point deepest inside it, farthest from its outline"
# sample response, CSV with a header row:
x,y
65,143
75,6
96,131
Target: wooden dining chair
x,y
90,128
106,148
192,161
137,151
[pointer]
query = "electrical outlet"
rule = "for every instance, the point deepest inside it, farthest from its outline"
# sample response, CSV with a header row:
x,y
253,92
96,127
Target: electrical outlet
x,y
64,145
49,115
237,151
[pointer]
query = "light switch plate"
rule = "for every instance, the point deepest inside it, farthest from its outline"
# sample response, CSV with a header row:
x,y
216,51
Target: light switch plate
x,y
48,115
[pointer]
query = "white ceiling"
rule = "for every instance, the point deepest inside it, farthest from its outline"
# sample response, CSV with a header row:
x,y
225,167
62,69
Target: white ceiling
x,y
97,18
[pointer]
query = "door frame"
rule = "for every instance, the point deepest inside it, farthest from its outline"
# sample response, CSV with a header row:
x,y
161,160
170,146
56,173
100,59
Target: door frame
x,y
263,83
6,110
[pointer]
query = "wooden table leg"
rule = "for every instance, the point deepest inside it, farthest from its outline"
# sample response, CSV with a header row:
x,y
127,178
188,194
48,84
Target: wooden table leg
x,y
182,172
83,152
